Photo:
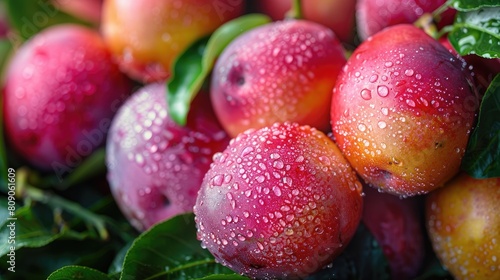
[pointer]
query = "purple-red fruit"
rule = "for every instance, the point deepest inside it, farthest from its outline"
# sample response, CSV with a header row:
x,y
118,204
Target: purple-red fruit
x,y
61,92
402,111
279,202
398,228
155,167
374,15
282,71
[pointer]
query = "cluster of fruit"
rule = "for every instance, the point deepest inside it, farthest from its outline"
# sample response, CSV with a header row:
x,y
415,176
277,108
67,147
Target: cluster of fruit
x,y
285,144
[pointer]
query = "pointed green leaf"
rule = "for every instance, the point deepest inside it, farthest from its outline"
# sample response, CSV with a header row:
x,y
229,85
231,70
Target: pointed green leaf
x,y
482,157
194,65
468,5
170,250
74,272
477,32
31,231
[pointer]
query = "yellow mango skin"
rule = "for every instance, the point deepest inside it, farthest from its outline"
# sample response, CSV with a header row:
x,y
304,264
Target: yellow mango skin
x,y
463,222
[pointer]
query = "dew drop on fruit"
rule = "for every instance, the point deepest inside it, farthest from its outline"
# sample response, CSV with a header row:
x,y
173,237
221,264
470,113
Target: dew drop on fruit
x,y
246,151
366,94
260,178
388,64
382,124
361,127
409,72
385,111
277,191
410,102
217,180
382,91
373,78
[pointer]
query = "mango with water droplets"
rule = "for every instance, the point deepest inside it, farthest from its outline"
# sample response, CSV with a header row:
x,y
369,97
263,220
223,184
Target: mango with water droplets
x,y
61,91
281,71
147,36
402,111
155,167
463,222
278,203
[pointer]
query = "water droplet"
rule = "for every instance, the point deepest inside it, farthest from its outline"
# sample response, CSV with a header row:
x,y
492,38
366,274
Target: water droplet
x,y
418,76
278,164
373,78
385,111
388,64
260,178
383,91
366,94
289,231
357,74
246,151
409,72
217,180
382,124
435,103
288,58
277,191
410,102
361,127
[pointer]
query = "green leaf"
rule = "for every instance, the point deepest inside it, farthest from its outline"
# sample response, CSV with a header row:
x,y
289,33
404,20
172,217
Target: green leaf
x,y
477,32
29,17
482,157
5,50
170,250
77,272
468,5
363,259
31,231
193,66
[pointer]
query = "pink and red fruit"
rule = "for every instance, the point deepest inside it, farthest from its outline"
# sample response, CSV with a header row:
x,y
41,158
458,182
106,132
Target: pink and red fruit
x,y
155,167
402,111
279,202
61,91
147,36
282,71
337,15
374,15
398,228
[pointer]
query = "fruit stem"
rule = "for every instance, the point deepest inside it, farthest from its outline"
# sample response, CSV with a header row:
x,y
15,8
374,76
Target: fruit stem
x,y
296,11
426,23
31,193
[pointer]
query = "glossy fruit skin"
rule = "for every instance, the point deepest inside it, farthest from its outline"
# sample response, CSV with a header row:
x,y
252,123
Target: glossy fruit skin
x,y
402,111
155,167
463,222
337,15
398,228
61,91
147,36
374,15
279,202
282,71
